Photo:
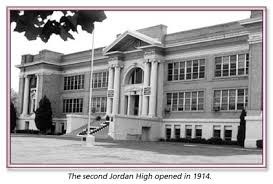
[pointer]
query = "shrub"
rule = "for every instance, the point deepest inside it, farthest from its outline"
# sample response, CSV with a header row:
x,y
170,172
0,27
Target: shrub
x,y
43,115
215,140
242,129
259,143
12,117
198,140
98,118
162,140
28,131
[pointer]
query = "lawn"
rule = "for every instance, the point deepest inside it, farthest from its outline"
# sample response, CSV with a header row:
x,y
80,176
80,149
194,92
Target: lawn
x,y
42,150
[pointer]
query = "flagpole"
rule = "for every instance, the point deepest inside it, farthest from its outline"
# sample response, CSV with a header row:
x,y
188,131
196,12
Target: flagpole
x,y
91,79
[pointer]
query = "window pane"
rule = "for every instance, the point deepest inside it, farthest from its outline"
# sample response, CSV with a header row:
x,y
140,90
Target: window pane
x,y
170,71
181,102
232,65
182,70
187,101
175,71
169,98
189,70
174,104
232,97
224,100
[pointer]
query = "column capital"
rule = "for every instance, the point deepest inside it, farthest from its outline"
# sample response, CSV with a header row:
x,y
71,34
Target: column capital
x,y
117,66
152,56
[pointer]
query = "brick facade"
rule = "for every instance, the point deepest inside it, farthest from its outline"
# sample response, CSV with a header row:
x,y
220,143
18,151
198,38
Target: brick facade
x,y
154,48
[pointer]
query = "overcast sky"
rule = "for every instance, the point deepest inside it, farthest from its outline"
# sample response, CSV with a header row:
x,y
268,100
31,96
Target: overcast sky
x,y
117,22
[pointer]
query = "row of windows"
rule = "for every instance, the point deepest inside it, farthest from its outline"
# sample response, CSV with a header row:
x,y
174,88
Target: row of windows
x,y
74,82
76,105
99,104
100,80
72,105
231,65
198,132
186,101
230,99
186,70
225,66
226,99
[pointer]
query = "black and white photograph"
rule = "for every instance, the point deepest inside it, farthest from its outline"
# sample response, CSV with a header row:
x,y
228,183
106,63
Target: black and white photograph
x,y
136,87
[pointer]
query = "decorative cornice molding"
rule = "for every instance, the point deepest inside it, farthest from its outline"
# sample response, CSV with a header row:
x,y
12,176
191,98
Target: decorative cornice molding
x,y
256,37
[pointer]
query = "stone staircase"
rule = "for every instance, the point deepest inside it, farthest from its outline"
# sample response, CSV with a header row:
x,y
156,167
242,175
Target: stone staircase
x,y
98,129
94,129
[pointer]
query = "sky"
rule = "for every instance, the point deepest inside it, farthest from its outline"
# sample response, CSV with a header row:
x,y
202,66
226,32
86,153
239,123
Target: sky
x,y
117,22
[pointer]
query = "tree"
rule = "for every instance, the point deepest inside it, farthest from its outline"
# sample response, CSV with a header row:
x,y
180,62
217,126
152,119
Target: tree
x,y
36,23
43,115
14,99
242,129
13,117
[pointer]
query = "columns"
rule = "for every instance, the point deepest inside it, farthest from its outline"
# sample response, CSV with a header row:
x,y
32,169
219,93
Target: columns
x,y
152,104
146,84
37,90
26,96
116,90
110,87
129,105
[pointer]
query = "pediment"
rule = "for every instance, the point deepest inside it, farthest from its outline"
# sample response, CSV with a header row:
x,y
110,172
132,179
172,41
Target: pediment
x,y
130,40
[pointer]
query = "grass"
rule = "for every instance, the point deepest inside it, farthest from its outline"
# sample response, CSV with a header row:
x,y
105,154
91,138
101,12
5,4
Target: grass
x,y
42,150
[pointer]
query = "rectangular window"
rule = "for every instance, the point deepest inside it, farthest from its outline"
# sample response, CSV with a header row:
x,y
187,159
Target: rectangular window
x,y
168,131
230,99
73,105
186,70
188,131
198,131
217,131
100,80
186,101
233,65
74,82
228,133
99,104
177,131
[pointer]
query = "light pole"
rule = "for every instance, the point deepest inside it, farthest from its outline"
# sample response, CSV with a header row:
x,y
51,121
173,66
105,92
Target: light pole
x,y
90,139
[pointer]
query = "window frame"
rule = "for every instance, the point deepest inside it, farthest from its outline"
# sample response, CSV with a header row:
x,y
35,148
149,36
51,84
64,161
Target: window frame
x,y
100,80
73,82
183,70
221,64
72,105
174,103
98,106
215,102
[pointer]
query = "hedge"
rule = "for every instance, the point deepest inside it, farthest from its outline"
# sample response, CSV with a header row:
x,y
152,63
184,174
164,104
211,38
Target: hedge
x,y
213,140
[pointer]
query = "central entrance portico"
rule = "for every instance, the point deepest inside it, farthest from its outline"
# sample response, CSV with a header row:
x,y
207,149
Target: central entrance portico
x,y
133,97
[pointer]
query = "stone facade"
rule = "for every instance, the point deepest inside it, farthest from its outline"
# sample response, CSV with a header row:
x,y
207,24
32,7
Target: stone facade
x,y
137,64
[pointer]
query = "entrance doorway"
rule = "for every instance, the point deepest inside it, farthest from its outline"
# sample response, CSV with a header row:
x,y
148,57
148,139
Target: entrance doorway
x,y
136,105
133,105
145,133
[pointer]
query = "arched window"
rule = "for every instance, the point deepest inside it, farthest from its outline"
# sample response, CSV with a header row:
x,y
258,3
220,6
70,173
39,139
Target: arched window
x,y
136,76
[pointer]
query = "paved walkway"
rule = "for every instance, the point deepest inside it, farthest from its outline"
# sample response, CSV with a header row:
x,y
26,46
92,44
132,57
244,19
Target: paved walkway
x,y
40,150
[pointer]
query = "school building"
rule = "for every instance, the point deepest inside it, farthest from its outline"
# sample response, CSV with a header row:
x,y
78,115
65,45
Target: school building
x,y
155,85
